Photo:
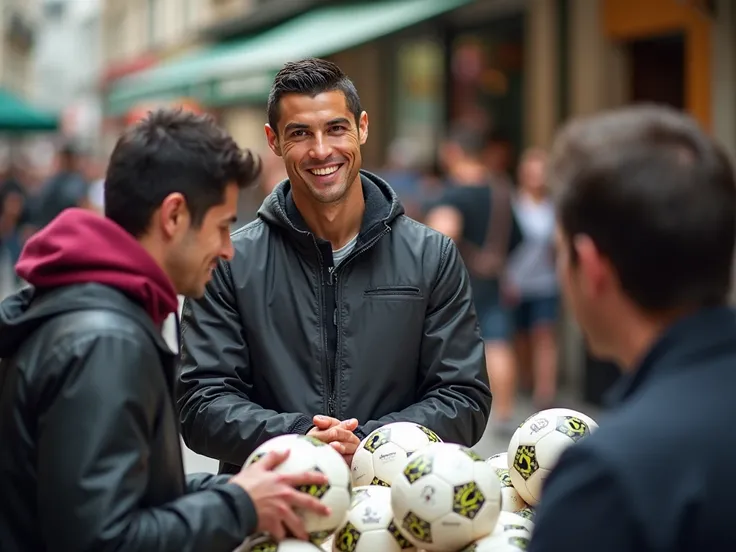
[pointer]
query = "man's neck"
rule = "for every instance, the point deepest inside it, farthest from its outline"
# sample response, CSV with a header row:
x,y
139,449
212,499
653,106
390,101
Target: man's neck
x,y
640,334
337,223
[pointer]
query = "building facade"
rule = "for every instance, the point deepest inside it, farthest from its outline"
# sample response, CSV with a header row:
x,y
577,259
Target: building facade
x,y
18,28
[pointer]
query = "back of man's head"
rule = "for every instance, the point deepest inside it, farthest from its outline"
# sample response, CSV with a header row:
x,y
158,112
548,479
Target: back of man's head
x,y
657,197
173,151
310,77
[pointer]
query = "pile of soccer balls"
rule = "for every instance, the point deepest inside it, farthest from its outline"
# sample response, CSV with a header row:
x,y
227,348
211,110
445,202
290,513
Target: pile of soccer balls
x,y
407,491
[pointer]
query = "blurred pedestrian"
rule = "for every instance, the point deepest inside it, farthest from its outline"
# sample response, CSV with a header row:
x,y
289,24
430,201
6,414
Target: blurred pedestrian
x,y
646,235
67,188
336,309
531,282
475,211
91,457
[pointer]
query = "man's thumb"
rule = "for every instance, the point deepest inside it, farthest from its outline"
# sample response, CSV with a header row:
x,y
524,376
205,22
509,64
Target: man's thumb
x,y
273,459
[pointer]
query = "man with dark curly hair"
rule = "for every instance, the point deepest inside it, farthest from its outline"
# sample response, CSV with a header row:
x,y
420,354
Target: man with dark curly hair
x,y
91,457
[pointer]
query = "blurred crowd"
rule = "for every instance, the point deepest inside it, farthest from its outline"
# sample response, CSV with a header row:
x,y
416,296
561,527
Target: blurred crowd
x,y
474,174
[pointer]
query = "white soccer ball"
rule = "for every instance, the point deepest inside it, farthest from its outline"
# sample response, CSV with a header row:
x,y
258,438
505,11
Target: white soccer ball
x,y
370,526
445,498
382,454
511,500
537,445
266,544
508,541
508,521
327,545
310,454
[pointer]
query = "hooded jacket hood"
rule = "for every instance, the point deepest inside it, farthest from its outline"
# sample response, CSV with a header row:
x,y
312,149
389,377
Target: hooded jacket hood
x,y
382,205
80,247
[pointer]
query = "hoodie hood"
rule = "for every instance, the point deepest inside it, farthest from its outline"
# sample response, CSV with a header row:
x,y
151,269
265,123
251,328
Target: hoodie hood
x,y
382,206
80,247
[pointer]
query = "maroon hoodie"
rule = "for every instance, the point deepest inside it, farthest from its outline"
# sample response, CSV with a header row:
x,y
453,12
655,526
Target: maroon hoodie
x,y
80,247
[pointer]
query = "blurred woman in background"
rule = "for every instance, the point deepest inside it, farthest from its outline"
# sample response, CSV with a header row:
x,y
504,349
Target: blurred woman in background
x,y
531,284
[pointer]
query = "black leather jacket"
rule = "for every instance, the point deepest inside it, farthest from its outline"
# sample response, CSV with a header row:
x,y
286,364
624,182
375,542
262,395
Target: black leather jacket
x,y
389,335
90,457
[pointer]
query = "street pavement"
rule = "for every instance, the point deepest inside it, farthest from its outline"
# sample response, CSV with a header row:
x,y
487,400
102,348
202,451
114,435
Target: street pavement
x,y
490,443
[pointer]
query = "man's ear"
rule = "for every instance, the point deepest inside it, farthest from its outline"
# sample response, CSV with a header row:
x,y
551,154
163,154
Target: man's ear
x,y
273,140
363,128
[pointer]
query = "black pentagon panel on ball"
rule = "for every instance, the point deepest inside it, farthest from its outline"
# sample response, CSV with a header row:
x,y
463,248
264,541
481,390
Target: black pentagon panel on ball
x,y
526,512
313,440
418,467
317,491
573,427
256,457
346,539
318,537
467,500
504,477
525,461
379,482
400,539
474,456
377,439
417,527
431,435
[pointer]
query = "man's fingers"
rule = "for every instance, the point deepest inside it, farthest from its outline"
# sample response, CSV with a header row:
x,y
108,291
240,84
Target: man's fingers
x,y
308,478
294,524
273,459
304,501
324,422
350,425
339,447
341,434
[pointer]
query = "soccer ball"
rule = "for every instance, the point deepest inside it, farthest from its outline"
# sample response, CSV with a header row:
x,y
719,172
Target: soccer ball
x,y
509,521
370,526
445,498
266,544
310,454
508,541
327,545
537,444
511,500
382,454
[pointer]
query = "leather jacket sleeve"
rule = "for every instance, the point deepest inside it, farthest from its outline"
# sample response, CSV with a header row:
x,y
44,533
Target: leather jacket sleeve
x,y
218,418
454,395
94,442
203,481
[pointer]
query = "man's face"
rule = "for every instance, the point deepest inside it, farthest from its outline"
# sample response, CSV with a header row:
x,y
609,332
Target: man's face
x,y
194,255
588,290
319,142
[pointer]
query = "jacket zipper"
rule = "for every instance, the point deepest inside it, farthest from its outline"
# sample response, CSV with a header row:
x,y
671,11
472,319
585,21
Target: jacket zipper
x,y
336,317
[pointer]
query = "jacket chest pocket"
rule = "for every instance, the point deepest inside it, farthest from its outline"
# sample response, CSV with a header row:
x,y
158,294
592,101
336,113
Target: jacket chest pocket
x,y
396,293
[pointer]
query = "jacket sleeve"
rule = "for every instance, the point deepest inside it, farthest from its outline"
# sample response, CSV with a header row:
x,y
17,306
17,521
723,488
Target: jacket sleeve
x,y
583,488
95,456
203,481
454,396
218,417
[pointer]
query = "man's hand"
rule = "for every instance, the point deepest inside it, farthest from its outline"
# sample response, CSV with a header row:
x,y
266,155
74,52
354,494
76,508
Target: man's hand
x,y
339,435
275,497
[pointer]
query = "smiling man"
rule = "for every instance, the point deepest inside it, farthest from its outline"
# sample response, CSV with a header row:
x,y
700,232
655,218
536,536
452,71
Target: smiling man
x,y
337,313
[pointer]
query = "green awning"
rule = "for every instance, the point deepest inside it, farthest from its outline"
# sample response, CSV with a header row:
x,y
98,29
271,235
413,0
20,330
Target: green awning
x,y
16,115
243,71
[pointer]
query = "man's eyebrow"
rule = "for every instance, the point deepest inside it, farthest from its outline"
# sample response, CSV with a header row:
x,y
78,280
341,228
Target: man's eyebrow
x,y
296,126
338,121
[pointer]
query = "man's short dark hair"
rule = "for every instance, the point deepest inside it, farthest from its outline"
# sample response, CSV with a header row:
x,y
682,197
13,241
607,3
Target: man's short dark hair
x,y
311,77
173,151
658,198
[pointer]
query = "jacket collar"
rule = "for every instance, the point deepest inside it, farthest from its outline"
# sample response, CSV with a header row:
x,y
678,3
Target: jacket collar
x,y
686,344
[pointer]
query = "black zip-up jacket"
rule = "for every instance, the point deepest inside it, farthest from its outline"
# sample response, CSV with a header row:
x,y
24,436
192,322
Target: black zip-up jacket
x,y
389,335
90,457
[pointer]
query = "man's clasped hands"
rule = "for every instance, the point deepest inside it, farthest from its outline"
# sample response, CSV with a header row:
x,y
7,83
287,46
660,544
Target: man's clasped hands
x,y
338,434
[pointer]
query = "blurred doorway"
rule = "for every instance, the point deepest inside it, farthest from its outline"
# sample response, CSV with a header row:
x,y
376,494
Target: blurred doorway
x,y
658,70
